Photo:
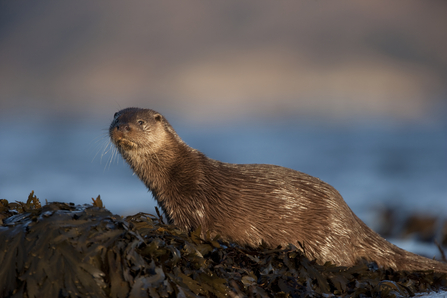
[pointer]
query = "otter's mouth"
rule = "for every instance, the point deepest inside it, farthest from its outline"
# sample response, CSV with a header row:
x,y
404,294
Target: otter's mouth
x,y
124,144
121,141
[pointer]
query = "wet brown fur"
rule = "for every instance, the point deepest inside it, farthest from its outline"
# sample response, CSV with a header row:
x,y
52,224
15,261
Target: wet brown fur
x,y
250,204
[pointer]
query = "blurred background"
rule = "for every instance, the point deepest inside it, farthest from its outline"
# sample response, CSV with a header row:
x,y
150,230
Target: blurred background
x,y
352,92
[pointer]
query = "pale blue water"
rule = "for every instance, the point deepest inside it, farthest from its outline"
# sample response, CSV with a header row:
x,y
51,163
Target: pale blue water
x,y
370,164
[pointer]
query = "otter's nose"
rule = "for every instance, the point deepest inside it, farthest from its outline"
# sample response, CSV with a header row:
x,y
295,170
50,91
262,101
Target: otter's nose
x,y
122,127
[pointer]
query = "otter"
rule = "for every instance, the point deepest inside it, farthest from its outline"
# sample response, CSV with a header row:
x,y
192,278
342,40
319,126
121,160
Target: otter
x,y
250,204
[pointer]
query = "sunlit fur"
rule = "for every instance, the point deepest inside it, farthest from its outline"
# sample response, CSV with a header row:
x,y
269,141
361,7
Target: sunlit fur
x,y
249,204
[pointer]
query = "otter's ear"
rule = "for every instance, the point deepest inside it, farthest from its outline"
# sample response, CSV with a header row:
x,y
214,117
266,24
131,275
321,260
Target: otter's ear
x,y
157,117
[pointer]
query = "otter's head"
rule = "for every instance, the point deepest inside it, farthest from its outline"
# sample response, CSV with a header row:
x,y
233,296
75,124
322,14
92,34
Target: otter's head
x,y
137,131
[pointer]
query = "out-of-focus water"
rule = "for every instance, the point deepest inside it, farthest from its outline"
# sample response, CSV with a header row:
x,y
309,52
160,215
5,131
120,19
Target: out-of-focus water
x,y
370,164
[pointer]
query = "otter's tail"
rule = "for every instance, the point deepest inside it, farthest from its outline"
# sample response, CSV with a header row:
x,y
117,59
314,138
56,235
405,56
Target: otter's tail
x,y
413,262
386,254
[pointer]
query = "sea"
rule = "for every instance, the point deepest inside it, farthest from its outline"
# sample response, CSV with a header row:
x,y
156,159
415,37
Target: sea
x,y
373,164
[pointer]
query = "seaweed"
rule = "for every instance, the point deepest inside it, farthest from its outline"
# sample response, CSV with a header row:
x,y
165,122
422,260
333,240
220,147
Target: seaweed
x,y
67,250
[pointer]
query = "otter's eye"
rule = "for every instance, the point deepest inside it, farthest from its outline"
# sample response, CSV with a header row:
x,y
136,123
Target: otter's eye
x,y
140,122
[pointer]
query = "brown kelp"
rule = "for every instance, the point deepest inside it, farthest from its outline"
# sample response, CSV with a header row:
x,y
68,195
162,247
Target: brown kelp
x,y
67,250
